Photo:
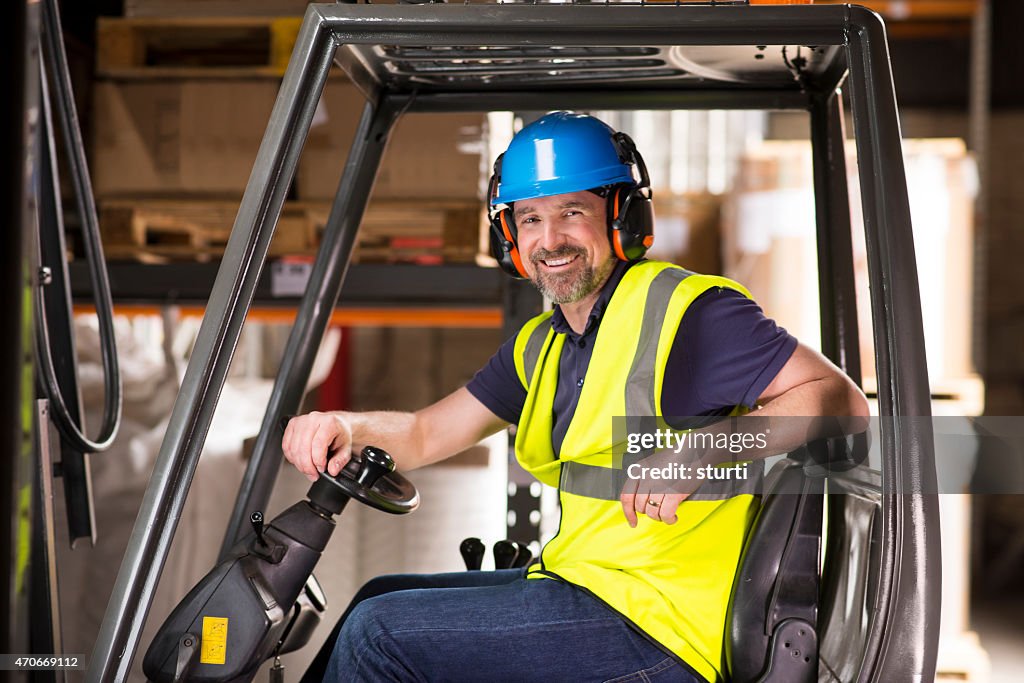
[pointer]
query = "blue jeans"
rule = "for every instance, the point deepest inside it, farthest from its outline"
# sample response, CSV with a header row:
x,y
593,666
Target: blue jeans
x,y
488,625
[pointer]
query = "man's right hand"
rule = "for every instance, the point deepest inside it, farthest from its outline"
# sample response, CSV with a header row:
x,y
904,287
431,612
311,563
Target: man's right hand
x,y
317,442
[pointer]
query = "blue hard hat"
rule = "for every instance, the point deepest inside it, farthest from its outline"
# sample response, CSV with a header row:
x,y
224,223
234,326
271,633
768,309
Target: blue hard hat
x,y
558,153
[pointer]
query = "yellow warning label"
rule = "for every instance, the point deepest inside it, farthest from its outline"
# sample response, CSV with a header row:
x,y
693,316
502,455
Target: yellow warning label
x,y
215,640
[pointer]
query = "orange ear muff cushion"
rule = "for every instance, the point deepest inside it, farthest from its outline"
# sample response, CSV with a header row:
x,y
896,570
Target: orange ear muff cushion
x,y
517,260
617,245
617,234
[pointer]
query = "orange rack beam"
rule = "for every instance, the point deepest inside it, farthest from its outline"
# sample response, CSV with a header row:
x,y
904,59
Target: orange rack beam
x,y
479,317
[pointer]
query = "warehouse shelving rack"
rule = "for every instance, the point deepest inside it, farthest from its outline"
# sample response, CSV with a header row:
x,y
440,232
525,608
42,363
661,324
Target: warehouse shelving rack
x,y
490,57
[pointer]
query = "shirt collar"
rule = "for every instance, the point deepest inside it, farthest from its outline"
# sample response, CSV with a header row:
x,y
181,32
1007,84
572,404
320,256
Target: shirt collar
x,y
561,325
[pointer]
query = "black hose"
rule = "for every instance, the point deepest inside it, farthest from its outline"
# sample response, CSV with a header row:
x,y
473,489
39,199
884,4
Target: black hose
x,y
55,57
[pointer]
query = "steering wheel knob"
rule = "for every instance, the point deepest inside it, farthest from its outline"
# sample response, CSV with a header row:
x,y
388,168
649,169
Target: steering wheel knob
x,y
376,463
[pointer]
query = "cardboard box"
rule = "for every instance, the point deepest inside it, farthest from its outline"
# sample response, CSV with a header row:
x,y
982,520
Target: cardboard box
x,y
201,138
195,137
770,245
428,155
687,231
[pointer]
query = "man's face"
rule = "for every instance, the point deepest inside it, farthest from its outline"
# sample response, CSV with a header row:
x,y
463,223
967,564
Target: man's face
x,y
564,243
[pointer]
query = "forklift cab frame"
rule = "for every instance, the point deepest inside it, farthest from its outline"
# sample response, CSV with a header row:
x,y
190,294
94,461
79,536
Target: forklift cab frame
x,y
497,57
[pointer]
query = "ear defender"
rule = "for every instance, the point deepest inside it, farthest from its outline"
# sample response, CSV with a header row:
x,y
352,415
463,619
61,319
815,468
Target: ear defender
x,y
504,245
630,207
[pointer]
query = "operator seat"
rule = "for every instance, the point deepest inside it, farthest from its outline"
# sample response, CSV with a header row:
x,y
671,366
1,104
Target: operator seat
x,y
771,632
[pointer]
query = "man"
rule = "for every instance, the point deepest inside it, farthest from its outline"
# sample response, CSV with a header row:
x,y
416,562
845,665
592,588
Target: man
x,y
636,583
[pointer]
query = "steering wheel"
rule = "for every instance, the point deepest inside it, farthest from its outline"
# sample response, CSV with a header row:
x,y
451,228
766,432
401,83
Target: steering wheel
x,y
370,478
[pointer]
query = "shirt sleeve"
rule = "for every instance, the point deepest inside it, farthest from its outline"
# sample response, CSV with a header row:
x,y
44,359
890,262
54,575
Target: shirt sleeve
x,y
725,354
497,384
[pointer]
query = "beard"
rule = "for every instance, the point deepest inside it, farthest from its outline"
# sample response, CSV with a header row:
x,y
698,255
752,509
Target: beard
x,y
578,280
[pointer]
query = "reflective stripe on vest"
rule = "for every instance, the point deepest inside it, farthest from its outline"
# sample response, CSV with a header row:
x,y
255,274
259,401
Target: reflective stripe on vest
x,y
534,346
528,346
640,399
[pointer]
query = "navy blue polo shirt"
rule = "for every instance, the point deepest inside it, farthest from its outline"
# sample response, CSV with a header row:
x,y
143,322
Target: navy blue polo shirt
x,y
725,354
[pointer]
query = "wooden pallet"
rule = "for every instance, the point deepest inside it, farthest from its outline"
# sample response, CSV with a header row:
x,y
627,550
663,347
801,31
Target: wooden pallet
x,y
429,231
165,230
194,47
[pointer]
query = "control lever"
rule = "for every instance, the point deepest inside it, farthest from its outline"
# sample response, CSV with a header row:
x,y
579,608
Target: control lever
x,y
523,556
505,554
277,671
256,519
472,550
272,552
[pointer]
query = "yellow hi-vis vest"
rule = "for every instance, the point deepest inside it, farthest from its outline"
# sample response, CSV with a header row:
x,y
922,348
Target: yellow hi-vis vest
x,y
671,581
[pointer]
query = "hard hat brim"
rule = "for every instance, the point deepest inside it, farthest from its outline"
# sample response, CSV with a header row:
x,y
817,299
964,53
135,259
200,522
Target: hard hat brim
x,y
555,186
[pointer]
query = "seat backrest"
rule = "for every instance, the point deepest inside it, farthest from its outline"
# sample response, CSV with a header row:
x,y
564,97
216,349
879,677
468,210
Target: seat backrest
x,y
776,585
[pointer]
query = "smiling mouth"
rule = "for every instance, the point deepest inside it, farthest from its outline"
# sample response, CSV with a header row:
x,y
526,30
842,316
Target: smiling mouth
x,y
561,262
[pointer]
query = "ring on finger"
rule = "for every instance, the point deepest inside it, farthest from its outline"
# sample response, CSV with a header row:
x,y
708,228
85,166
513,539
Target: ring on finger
x,y
653,503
